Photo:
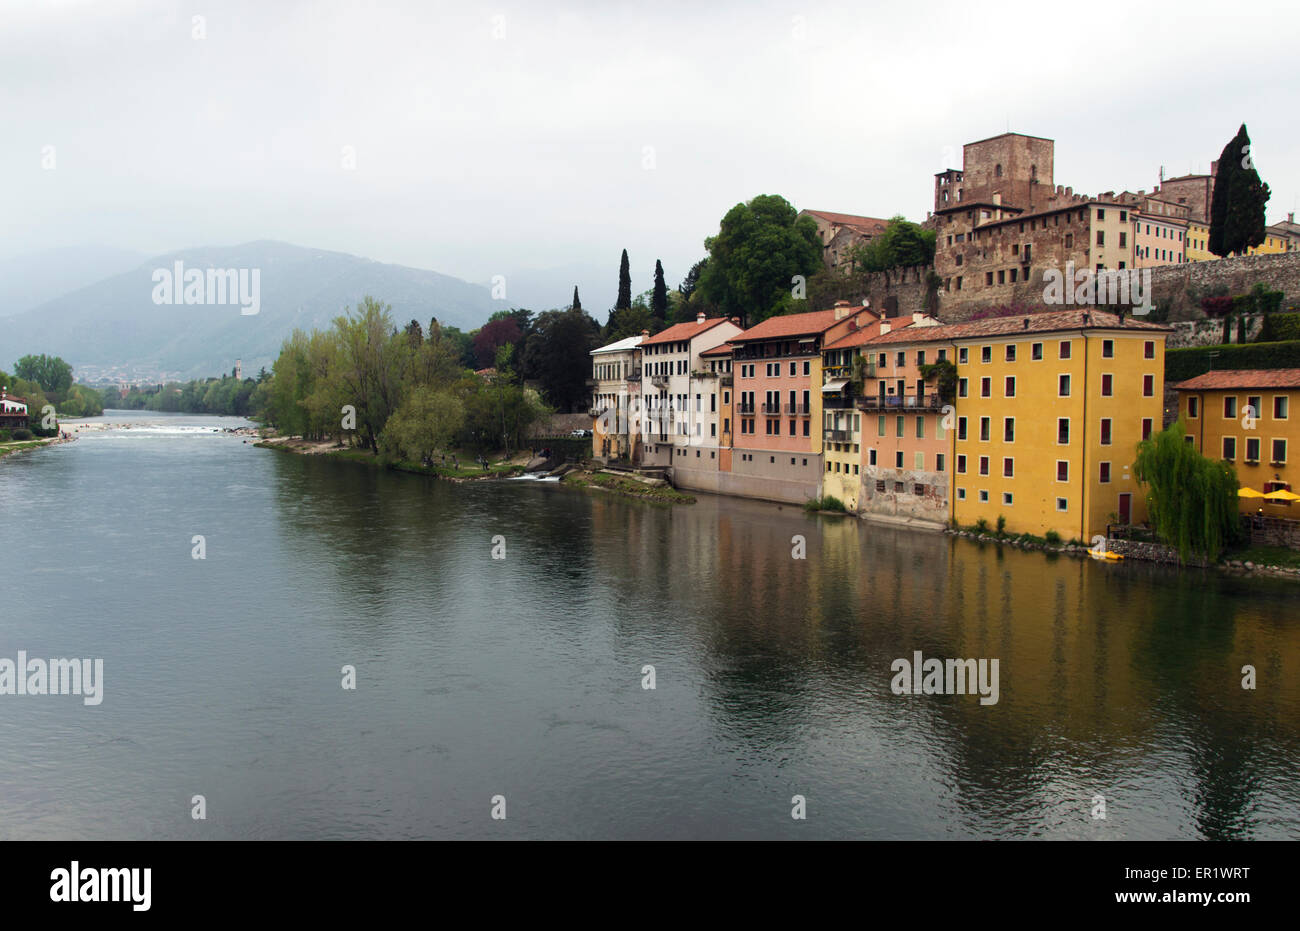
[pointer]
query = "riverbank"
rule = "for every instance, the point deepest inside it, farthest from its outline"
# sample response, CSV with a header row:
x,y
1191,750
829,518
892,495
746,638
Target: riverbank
x,y
626,487
19,446
460,472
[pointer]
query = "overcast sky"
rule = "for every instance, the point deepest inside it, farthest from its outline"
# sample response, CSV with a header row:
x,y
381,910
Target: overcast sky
x,y
492,138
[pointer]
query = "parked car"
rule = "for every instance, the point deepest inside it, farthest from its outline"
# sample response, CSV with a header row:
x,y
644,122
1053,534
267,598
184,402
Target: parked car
x,y
580,433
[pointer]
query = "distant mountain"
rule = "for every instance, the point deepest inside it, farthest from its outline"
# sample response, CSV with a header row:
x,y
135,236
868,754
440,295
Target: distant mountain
x,y
33,278
113,328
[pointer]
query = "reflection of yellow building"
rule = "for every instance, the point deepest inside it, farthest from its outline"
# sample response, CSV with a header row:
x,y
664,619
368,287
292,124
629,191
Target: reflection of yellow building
x,y
1050,409
1244,417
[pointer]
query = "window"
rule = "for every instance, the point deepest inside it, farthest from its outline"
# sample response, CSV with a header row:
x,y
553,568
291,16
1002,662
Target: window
x,y
1063,386
1280,407
1147,425
938,462
1107,385
1010,388
920,428
1229,448
1193,407
1105,431
984,465
1008,429
1279,452
871,457
986,387
961,494
1148,386
1062,504
1105,473
961,428
962,388
961,356
1062,470
986,353
1006,498
1008,467
1229,407
900,359
984,429
793,369
898,427
880,425
898,459
1149,349
1063,431
918,462
1254,405
961,465
1036,352
920,358
984,495
807,368
1011,352
1063,351
1108,349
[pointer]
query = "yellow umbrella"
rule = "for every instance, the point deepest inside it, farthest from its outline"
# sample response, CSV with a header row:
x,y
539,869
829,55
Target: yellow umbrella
x,y
1281,495
1244,492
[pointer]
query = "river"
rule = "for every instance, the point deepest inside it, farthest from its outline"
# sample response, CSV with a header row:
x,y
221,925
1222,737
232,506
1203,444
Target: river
x,y
522,677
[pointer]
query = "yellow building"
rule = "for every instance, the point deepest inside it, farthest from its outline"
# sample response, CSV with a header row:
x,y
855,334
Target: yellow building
x,y
1198,241
1274,244
1244,417
1050,409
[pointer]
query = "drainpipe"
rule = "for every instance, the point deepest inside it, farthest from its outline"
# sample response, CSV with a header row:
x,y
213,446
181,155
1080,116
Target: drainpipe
x,y
1083,507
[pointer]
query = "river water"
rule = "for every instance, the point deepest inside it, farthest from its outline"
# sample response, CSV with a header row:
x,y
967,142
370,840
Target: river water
x,y
522,677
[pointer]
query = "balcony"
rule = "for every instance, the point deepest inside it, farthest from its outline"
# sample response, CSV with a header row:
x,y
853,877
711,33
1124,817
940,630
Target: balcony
x,y
745,410
838,436
634,375
797,410
837,402
772,410
597,411
725,378
894,402
659,381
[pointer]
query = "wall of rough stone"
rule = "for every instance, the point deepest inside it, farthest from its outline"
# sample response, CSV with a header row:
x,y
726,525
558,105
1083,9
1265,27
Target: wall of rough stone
x,y
1272,531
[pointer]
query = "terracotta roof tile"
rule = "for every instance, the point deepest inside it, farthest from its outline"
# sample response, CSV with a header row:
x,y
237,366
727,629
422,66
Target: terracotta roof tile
x,y
809,324
1242,378
679,332
1049,322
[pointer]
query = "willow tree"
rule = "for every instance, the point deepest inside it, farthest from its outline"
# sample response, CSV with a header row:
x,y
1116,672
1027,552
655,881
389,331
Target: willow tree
x,y
1191,499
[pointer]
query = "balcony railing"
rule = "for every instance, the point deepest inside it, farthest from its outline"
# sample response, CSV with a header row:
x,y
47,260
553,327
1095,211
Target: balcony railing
x,y
725,378
838,436
772,410
797,410
837,402
659,381
745,410
928,402
634,375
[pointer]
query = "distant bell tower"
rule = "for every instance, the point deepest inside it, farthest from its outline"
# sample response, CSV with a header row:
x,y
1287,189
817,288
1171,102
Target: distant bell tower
x,y
239,370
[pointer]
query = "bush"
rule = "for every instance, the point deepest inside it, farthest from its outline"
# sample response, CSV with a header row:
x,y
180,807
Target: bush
x,y
826,503
1182,364
4,436
22,433
981,526
1052,537
1279,328
1002,524
1216,306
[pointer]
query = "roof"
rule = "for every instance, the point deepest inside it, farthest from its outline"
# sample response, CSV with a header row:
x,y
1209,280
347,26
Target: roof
x,y
809,324
1050,322
866,224
723,349
683,331
622,345
1242,378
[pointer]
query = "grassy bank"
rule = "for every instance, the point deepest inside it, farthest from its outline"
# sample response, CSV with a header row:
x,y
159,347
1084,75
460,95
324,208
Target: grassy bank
x,y
627,487
8,448
466,471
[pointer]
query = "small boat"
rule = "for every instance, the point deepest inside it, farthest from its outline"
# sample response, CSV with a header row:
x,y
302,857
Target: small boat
x,y
1105,554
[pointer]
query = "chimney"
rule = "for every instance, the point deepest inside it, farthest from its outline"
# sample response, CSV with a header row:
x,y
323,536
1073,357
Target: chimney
x,y
736,321
1026,323
645,334
1290,217
699,317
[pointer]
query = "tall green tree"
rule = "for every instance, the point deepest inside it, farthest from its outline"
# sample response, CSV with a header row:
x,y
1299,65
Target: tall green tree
x,y
577,304
1237,206
1191,499
624,284
902,244
692,279
763,252
659,297
558,356
50,372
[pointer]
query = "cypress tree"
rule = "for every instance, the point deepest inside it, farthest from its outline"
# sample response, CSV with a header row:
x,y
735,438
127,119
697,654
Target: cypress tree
x,y
577,304
624,284
659,298
1237,207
